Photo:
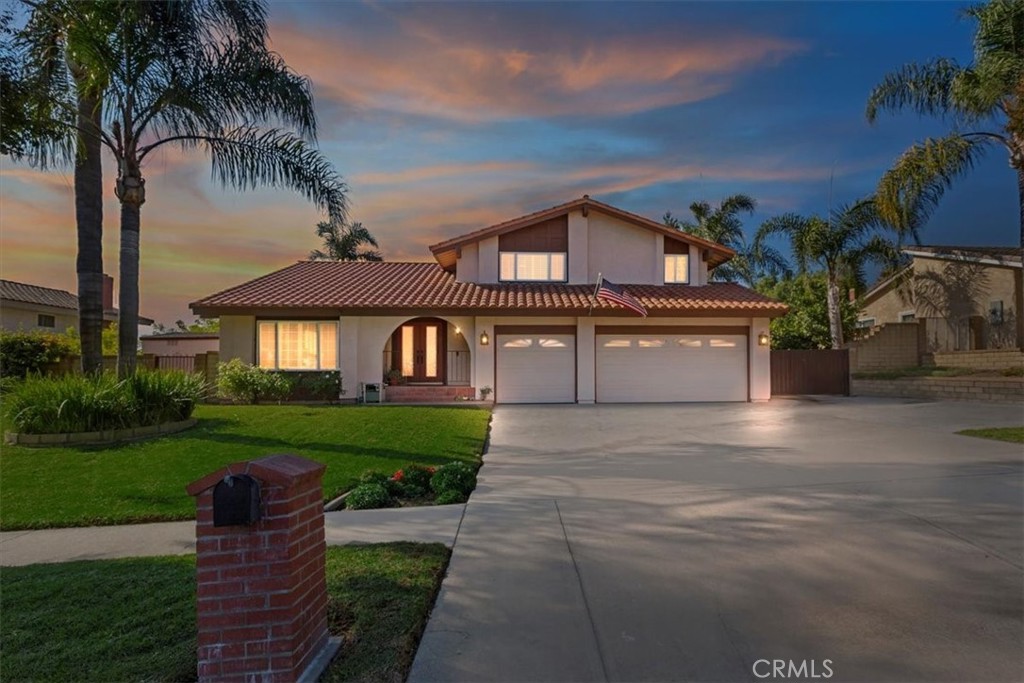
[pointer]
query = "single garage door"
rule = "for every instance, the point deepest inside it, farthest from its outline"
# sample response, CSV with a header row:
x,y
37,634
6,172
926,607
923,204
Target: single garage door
x,y
671,367
535,368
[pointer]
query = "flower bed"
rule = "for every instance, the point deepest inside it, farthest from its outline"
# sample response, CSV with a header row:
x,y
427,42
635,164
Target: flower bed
x,y
413,485
102,438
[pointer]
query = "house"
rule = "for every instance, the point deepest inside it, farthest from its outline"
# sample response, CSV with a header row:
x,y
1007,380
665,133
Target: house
x,y
33,308
179,343
511,307
964,298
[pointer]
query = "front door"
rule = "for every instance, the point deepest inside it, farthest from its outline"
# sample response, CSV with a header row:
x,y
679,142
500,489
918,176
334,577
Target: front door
x,y
420,346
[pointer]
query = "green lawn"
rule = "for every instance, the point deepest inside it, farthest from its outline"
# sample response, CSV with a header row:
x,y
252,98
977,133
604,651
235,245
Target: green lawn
x,y
1011,434
145,481
134,620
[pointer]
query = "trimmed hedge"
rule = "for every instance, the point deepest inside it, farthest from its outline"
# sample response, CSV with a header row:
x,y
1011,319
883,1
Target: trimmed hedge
x,y
92,403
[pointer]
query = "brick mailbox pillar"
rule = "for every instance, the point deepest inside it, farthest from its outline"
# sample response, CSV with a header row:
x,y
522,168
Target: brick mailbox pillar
x,y
261,587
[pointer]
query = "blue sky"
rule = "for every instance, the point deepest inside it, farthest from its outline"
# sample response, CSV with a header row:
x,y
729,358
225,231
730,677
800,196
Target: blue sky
x,y
445,118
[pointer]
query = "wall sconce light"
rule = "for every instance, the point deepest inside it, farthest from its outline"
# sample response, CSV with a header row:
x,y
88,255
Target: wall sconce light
x,y
458,331
484,339
762,339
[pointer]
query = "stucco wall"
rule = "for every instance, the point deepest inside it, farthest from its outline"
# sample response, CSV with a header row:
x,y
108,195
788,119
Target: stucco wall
x,y
15,316
238,337
623,253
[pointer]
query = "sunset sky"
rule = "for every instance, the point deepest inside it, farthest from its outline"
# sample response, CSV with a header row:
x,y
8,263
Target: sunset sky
x,y
446,118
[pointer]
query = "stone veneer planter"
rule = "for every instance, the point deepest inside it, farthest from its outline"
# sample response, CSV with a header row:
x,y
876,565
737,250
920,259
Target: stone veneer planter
x,y
995,389
104,438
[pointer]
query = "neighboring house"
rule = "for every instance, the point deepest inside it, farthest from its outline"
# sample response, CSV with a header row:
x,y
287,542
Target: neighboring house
x,y
965,298
179,343
512,307
42,309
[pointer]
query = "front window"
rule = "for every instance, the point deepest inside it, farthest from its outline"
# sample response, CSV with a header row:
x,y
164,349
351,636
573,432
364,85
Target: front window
x,y
298,345
677,269
46,320
518,266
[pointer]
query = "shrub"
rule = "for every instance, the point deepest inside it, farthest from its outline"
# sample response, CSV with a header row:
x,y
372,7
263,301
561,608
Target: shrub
x,y
393,487
22,353
368,497
455,476
415,476
451,497
240,381
315,386
92,403
1014,372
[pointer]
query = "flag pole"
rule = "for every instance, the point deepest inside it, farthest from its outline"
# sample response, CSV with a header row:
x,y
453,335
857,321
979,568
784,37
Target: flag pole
x,y
597,288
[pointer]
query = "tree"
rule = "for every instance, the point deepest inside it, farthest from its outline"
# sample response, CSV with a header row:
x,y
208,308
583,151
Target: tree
x,y
722,224
807,325
57,118
343,242
983,102
841,246
199,326
185,74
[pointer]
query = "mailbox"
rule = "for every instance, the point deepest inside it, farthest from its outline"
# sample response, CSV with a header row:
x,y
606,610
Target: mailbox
x,y
236,501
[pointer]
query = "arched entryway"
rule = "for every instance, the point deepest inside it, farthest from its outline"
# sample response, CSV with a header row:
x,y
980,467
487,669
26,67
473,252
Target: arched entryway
x,y
427,352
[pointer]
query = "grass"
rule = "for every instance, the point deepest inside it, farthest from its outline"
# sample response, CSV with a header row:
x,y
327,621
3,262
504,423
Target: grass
x,y
914,372
134,620
1011,434
145,481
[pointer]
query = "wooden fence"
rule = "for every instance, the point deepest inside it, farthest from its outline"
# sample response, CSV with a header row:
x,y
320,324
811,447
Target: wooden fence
x,y
823,371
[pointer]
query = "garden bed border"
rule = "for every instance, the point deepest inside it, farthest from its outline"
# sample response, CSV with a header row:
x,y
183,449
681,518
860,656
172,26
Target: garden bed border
x,y
106,437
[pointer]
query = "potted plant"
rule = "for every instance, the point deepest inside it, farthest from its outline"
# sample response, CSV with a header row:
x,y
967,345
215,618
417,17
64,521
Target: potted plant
x,y
485,392
394,377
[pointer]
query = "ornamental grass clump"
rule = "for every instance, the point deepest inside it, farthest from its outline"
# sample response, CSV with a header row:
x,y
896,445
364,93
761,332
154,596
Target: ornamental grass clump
x,y
93,403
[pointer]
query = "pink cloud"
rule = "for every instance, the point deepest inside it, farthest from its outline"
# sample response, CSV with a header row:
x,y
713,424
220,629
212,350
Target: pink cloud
x,y
467,75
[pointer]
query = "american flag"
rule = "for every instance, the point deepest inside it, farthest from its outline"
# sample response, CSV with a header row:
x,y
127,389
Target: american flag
x,y
616,294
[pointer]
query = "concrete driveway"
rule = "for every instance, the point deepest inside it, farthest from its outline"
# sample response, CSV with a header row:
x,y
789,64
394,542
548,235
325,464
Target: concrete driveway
x,y
687,542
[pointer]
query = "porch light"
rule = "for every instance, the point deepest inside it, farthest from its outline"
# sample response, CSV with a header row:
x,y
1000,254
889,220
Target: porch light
x,y
762,339
484,339
458,330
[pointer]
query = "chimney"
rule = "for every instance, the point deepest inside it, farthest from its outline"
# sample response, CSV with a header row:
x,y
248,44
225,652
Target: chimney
x,y
108,292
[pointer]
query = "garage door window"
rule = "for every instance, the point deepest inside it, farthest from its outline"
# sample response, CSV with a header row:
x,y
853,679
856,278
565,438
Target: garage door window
x,y
722,344
518,343
552,343
617,344
651,343
689,343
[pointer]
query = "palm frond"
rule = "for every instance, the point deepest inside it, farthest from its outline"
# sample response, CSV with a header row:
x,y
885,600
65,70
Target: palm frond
x,y
249,157
909,191
925,88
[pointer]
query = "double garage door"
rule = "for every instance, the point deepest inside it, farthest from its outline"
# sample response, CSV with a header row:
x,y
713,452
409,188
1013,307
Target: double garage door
x,y
674,365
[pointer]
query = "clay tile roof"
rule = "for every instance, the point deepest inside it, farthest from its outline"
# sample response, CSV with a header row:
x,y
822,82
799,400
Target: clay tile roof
x,y
374,286
34,294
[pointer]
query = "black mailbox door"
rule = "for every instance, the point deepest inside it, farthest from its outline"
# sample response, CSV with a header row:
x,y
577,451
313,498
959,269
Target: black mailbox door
x,y
236,501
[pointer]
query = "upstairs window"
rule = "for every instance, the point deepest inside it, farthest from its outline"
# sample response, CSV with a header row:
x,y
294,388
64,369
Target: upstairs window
x,y
677,269
518,266
298,345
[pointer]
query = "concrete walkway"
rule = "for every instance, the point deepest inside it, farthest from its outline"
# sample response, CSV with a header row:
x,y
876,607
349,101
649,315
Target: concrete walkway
x,y
687,542
421,524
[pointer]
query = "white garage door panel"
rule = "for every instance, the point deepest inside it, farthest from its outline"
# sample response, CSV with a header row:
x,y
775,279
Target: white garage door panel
x,y
671,368
537,368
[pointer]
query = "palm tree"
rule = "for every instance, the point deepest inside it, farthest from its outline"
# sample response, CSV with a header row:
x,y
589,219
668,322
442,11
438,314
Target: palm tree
x,y
983,101
186,74
722,224
342,243
63,85
842,246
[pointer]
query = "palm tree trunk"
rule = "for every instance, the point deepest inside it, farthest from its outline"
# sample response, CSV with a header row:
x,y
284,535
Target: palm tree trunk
x,y
89,225
131,191
835,319
1019,280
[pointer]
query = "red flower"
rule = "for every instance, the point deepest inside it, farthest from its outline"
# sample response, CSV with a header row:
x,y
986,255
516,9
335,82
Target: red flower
x,y
397,476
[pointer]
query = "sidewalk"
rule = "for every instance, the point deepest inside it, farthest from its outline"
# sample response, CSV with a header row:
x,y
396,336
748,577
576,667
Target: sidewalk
x,y
420,524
